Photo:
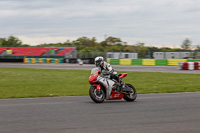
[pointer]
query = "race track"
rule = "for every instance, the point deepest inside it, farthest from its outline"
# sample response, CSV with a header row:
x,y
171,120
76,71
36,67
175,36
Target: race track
x,y
150,113
171,69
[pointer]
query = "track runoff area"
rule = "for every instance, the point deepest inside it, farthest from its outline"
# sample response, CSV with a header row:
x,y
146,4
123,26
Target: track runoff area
x,y
150,113
142,68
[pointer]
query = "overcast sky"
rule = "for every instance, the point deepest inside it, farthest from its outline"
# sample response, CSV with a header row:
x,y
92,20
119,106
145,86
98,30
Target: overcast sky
x,y
154,22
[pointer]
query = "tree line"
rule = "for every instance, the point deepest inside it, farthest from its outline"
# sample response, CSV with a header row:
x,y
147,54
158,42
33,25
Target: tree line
x,y
114,44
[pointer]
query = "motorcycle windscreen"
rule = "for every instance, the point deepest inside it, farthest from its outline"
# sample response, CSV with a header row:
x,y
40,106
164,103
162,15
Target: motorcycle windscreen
x,y
94,70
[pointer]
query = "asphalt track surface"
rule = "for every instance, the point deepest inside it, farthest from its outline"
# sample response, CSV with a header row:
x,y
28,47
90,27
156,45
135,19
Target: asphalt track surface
x,y
150,113
171,69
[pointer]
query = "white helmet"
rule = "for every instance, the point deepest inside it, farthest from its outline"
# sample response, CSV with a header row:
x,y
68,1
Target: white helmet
x,y
98,61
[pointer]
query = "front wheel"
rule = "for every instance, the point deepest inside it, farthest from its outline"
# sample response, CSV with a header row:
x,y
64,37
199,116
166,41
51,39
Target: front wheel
x,y
130,96
96,96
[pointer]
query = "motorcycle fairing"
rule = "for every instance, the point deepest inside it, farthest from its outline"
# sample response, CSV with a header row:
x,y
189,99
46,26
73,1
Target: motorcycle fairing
x,y
123,75
108,84
116,95
97,86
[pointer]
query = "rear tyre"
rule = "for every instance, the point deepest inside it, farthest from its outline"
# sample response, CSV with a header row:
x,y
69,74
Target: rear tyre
x,y
130,96
97,97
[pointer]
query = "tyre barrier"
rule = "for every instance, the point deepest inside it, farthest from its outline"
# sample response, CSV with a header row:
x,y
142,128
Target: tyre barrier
x,y
148,62
189,65
175,62
125,61
43,60
157,62
161,62
136,62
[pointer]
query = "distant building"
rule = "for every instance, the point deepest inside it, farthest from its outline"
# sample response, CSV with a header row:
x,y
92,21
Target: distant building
x,y
122,55
175,55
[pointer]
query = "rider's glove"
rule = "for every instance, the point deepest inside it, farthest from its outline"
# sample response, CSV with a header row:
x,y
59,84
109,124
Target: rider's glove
x,y
111,72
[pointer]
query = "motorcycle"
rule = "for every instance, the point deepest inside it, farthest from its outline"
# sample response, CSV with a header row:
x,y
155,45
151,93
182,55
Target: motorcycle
x,y
102,87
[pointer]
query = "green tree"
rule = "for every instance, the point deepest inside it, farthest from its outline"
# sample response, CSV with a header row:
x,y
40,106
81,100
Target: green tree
x,y
141,49
152,49
165,49
85,41
2,41
11,41
128,48
197,47
186,44
110,41
113,41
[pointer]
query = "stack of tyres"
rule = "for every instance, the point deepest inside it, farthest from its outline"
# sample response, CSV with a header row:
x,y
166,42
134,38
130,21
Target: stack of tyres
x,y
36,60
136,61
33,60
48,60
185,66
180,65
25,60
29,60
40,60
56,60
43,60
189,65
196,65
199,65
53,60
61,60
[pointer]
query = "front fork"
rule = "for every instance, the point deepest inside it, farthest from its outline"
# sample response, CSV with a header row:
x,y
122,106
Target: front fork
x,y
97,86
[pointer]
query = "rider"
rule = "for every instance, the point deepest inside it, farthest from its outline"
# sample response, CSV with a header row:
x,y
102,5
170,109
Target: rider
x,y
102,65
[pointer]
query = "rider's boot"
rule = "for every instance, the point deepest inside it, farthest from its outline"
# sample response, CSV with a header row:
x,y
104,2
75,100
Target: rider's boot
x,y
116,87
123,87
121,84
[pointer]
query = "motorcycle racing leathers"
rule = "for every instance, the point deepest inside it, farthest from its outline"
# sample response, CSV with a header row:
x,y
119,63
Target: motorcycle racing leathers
x,y
106,68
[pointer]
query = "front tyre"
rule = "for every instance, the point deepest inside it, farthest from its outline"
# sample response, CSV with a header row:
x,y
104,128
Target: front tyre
x,y
96,96
130,96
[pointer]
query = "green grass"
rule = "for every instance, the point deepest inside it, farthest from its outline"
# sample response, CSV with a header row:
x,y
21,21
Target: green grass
x,y
27,82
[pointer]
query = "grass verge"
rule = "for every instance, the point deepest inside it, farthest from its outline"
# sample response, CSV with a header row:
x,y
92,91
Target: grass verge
x,y
27,82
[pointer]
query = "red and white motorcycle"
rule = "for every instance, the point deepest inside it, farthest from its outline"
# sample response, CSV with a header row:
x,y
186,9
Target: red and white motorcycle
x,y
105,88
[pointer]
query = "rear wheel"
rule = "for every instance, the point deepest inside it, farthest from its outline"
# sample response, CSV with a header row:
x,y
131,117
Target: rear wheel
x,y
96,96
130,96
